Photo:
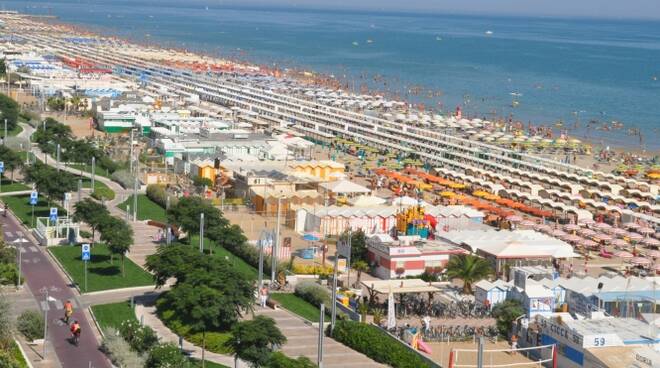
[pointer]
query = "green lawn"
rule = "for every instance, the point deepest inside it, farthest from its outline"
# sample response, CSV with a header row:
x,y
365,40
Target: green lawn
x,y
20,206
18,356
112,315
147,209
297,305
198,364
13,186
14,132
214,339
238,262
101,274
88,168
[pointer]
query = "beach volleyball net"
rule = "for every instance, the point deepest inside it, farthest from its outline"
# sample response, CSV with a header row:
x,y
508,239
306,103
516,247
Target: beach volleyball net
x,y
534,356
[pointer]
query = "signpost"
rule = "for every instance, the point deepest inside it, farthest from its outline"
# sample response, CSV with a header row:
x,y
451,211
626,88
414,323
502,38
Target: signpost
x,y
2,170
86,257
53,215
34,196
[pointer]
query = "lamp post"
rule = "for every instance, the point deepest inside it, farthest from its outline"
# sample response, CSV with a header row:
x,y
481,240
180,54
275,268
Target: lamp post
x,y
276,243
201,232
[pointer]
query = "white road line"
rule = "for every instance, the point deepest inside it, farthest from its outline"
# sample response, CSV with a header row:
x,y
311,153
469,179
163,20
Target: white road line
x,y
24,251
58,304
8,234
44,305
33,249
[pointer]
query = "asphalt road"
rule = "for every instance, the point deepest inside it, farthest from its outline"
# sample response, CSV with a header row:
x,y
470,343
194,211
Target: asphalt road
x,y
41,276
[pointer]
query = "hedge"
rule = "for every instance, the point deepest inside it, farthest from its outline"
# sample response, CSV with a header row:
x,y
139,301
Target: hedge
x,y
102,194
124,178
158,194
377,345
313,293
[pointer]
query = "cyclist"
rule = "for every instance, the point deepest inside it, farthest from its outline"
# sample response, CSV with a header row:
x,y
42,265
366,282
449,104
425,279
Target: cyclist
x,y
68,311
75,332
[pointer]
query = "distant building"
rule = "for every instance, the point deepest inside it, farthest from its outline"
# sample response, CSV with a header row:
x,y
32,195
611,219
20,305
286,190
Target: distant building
x,y
407,256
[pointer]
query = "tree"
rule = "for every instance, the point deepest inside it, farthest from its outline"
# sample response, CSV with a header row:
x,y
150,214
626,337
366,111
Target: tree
x,y
358,245
186,214
469,268
506,313
201,182
118,235
279,360
176,261
31,323
360,266
213,295
56,103
10,110
253,341
166,356
11,159
50,181
93,213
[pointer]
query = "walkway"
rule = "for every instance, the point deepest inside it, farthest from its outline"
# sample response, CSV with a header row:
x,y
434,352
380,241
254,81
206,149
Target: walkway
x,y
42,277
148,314
302,340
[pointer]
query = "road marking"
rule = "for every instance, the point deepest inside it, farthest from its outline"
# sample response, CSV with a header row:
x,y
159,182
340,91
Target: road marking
x,y
25,251
26,261
36,260
44,305
8,234
58,304
34,249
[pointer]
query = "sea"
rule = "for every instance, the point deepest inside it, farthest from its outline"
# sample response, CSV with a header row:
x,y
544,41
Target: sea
x,y
577,74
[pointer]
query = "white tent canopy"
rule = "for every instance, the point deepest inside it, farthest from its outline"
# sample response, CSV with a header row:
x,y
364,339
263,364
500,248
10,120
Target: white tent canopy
x,y
344,187
367,201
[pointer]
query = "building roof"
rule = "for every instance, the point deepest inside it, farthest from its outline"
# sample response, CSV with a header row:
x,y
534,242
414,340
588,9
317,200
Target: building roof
x,y
490,285
397,286
511,244
344,187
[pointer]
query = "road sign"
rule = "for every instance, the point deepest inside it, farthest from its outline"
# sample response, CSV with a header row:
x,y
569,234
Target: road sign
x,y
2,167
34,196
85,252
53,214
67,196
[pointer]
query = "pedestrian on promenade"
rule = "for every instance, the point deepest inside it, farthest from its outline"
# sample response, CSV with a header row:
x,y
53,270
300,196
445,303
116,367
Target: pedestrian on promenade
x,y
68,311
263,296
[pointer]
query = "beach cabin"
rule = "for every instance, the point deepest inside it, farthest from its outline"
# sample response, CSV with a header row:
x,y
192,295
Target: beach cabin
x,y
489,293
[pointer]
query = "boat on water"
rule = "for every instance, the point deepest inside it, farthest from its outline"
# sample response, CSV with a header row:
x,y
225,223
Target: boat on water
x,y
370,41
489,33
438,38
355,43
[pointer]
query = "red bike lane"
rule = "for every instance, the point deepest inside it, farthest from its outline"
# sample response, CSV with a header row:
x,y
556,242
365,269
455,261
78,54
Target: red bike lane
x,y
42,277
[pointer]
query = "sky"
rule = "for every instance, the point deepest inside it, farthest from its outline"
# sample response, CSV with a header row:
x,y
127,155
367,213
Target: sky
x,y
563,8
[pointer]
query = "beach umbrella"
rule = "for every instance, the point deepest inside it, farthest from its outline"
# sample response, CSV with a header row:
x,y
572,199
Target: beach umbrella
x,y
602,225
640,261
651,242
542,227
312,236
571,227
646,230
391,317
514,218
653,253
587,221
586,232
588,243
571,238
634,236
527,223
603,237
623,254
619,243
657,267
557,233
618,231
631,225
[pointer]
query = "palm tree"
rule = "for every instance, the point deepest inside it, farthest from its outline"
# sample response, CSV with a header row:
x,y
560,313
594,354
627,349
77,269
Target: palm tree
x,y
468,268
360,266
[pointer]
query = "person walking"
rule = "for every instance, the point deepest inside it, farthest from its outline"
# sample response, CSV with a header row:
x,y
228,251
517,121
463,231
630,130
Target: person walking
x,y
263,296
68,311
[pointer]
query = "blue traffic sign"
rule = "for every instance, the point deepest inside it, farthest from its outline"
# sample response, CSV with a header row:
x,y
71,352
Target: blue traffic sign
x,y
2,167
53,214
34,196
86,252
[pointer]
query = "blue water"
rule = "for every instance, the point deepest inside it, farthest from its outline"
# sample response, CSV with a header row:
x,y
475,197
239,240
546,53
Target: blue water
x,y
603,69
